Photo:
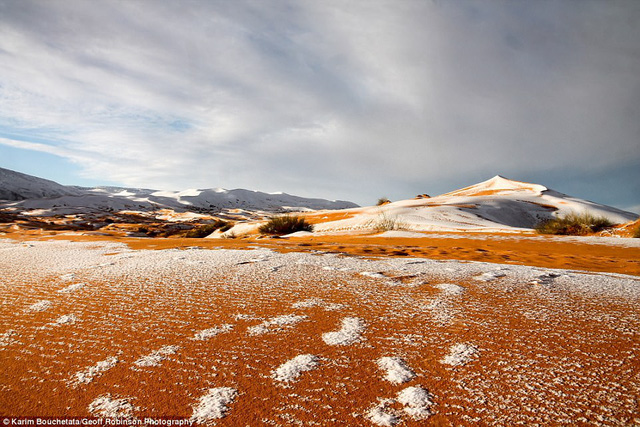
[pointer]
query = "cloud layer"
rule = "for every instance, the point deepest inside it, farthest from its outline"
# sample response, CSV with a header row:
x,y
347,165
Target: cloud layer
x,y
334,99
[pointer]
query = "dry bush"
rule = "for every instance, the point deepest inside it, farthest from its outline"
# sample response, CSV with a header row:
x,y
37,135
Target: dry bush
x,y
285,224
574,225
205,230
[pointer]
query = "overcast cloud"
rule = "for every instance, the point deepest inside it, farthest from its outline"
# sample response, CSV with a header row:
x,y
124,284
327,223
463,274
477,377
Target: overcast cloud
x,y
335,99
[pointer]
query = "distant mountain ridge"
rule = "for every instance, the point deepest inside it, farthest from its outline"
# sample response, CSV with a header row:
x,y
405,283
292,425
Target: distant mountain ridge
x,y
24,192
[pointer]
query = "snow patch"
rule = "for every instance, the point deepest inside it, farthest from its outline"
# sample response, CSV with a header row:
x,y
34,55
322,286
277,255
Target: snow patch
x,y
460,354
351,331
106,407
212,332
72,288
417,402
157,356
397,371
277,323
40,306
380,416
488,276
292,369
86,376
66,319
372,274
213,405
450,288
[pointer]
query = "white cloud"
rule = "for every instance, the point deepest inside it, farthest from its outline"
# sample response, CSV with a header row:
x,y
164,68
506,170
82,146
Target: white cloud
x,y
331,98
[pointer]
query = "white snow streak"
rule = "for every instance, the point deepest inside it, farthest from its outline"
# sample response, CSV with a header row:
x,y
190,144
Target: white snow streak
x,y
460,354
213,405
291,370
157,356
397,371
352,329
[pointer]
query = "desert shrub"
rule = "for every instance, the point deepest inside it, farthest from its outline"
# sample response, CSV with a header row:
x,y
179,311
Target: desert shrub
x,y
205,230
285,224
574,225
383,201
636,233
385,222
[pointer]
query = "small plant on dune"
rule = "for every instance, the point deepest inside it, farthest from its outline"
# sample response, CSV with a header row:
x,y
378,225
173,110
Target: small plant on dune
x,y
574,225
383,201
385,222
205,230
285,224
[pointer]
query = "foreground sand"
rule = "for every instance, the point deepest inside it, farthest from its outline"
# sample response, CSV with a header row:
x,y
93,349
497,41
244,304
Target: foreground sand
x,y
99,328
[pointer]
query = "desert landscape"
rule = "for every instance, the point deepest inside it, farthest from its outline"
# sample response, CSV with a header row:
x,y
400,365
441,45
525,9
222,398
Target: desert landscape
x,y
376,213
445,314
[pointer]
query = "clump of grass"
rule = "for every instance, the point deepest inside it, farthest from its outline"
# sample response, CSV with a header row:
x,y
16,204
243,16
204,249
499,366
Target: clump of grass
x,y
383,201
385,222
574,225
205,230
285,224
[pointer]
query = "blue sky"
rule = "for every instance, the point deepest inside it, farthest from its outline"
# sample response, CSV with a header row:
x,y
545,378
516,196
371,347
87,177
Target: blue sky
x,y
337,99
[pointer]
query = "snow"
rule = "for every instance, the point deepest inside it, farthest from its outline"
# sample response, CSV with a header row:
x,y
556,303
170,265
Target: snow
x,y
107,407
397,371
28,192
450,288
213,405
292,369
498,204
40,306
417,402
351,331
212,332
157,356
66,319
380,417
277,323
460,354
86,376
72,288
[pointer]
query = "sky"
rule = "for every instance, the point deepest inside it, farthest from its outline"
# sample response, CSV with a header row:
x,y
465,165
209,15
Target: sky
x,y
350,100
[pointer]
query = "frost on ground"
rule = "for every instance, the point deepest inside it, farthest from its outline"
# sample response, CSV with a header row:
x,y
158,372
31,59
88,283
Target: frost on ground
x,y
72,288
460,354
380,415
66,319
212,332
292,369
489,276
397,371
86,376
213,405
7,338
157,356
450,288
417,402
317,302
276,323
351,331
372,274
40,306
106,407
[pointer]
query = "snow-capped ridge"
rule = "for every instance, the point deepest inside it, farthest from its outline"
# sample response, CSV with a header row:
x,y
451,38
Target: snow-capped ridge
x,y
27,192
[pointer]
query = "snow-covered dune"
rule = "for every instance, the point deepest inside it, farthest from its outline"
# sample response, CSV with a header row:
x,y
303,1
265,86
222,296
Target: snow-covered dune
x,y
498,204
